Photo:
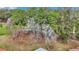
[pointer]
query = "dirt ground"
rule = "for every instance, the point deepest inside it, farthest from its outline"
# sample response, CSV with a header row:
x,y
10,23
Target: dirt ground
x,y
7,44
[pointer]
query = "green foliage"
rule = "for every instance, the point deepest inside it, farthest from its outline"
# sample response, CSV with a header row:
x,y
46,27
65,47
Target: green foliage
x,y
4,14
39,14
3,30
63,22
19,17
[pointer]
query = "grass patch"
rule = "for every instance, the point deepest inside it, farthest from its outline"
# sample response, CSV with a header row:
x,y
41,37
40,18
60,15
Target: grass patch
x,y
3,29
